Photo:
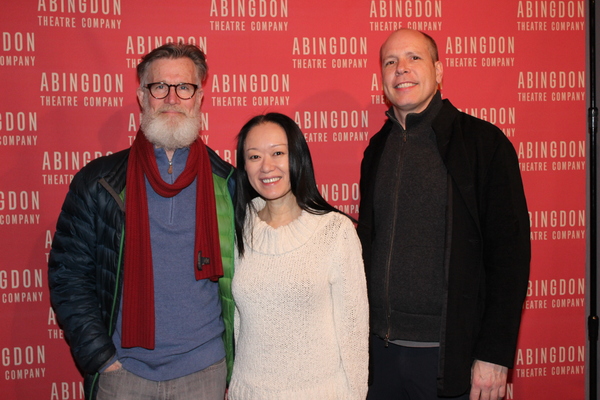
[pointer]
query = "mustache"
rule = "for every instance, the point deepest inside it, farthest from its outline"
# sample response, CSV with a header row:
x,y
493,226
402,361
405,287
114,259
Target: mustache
x,y
168,108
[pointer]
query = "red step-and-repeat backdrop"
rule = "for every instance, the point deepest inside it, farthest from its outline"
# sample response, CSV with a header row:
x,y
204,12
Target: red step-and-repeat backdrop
x,y
67,71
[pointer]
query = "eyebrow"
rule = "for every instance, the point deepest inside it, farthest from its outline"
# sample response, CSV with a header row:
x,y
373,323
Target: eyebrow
x,y
273,145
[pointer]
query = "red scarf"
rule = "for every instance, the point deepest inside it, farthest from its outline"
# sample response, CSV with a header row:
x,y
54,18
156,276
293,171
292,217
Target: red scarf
x,y
138,280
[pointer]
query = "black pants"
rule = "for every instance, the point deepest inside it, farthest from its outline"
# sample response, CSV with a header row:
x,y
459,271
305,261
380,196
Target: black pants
x,y
404,373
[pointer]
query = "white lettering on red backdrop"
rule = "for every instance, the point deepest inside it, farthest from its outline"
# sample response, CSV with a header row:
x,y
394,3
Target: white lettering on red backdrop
x,y
68,74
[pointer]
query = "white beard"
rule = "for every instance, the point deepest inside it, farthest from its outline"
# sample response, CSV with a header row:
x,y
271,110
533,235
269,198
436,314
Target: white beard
x,y
170,132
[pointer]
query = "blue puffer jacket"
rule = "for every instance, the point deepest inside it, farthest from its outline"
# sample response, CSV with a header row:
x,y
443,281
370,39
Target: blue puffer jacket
x,y
85,270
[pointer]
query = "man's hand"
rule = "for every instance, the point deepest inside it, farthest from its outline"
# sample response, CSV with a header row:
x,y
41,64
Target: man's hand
x,y
488,381
113,367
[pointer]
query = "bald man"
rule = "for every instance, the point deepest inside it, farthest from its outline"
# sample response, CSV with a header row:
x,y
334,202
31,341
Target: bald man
x,y
445,233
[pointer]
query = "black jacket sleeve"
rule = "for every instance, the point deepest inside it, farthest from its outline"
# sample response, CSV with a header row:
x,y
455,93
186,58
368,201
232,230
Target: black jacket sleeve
x,y
81,245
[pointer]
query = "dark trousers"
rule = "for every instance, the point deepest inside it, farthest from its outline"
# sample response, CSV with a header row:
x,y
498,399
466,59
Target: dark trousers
x,y
404,373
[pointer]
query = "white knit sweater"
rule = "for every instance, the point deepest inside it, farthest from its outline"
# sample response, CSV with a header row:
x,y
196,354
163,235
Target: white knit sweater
x,y
301,323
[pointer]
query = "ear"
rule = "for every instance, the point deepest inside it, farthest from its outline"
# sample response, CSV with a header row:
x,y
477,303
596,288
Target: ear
x,y
141,93
439,72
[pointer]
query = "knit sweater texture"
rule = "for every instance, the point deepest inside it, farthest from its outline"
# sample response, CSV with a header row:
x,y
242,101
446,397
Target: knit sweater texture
x,y
301,322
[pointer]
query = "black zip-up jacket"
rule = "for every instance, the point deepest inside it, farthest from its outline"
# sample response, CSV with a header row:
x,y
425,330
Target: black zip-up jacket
x,y
486,268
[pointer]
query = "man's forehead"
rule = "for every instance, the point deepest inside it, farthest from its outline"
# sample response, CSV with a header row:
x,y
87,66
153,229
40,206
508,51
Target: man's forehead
x,y
164,66
171,63
397,49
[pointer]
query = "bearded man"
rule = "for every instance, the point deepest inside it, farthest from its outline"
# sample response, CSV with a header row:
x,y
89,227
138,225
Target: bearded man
x,y
141,260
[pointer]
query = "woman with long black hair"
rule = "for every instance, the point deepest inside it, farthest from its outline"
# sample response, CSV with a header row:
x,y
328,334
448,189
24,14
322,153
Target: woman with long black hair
x,y
301,325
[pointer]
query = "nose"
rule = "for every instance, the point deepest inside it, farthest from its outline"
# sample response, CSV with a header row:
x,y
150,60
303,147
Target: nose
x,y
267,165
172,97
401,68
